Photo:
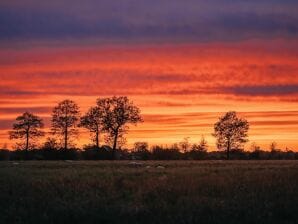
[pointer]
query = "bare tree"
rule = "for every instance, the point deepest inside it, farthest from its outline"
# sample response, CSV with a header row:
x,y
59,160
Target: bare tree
x,y
202,146
254,147
118,112
51,144
141,146
27,127
141,150
199,151
64,120
231,132
92,121
273,147
184,144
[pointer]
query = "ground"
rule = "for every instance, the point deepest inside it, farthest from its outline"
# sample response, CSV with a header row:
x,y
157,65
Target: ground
x,y
149,192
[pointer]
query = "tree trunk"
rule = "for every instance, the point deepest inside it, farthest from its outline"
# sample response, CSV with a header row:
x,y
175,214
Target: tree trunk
x,y
97,139
65,138
228,150
114,146
27,141
66,129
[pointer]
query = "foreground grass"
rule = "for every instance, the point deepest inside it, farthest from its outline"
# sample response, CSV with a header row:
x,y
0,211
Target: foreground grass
x,y
181,192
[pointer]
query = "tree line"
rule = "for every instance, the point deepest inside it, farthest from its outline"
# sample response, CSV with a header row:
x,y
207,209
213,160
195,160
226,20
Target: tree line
x,y
111,117
141,151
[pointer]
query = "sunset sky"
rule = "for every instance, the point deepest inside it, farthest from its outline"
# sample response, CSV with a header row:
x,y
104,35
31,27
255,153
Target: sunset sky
x,y
184,63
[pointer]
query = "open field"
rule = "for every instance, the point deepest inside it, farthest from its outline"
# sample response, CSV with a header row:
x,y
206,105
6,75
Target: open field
x,y
176,192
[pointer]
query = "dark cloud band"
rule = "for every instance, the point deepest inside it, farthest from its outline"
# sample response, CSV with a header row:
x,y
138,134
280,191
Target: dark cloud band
x,y
167,20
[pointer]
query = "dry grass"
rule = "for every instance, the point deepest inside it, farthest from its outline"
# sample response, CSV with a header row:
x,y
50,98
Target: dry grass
x,y
119,192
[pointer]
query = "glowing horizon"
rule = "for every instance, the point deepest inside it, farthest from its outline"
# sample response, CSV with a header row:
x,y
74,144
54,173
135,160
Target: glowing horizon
x,y
181,93
183,68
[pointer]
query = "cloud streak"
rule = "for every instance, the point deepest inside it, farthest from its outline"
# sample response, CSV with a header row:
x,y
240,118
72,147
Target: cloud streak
x,y
183,70
161,21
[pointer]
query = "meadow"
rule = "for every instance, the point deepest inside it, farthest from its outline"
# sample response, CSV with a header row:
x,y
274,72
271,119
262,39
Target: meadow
x,y
149,192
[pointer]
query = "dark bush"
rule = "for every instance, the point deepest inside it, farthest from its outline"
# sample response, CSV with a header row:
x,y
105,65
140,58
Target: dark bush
x,y
95,153
160,153
4,154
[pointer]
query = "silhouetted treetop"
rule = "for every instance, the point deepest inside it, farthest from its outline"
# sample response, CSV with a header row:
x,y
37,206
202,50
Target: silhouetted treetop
x,y
118,112
27,127
93,121
231,132
64,120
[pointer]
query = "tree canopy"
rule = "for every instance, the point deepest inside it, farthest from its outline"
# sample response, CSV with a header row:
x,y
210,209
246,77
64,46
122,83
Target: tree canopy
x,y
231,132
118,112
64,120
93,121
27,127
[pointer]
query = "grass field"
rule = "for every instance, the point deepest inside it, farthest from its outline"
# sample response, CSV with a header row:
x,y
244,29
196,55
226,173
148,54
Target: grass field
x,y
176,192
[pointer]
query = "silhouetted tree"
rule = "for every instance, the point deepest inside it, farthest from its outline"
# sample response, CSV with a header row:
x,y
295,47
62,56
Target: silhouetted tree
x,y
51,144
184,144
117,113
202,146
27,127
254,147
230,132
141,146
166,153
141,150
256,151
273,147
199,151
64,120
275,153
92,121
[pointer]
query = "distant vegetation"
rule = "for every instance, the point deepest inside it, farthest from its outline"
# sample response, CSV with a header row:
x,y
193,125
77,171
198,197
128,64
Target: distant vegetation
x,y
109,119
50,151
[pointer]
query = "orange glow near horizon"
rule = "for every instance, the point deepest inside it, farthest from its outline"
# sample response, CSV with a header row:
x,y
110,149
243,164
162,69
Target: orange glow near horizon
x,y
180,89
